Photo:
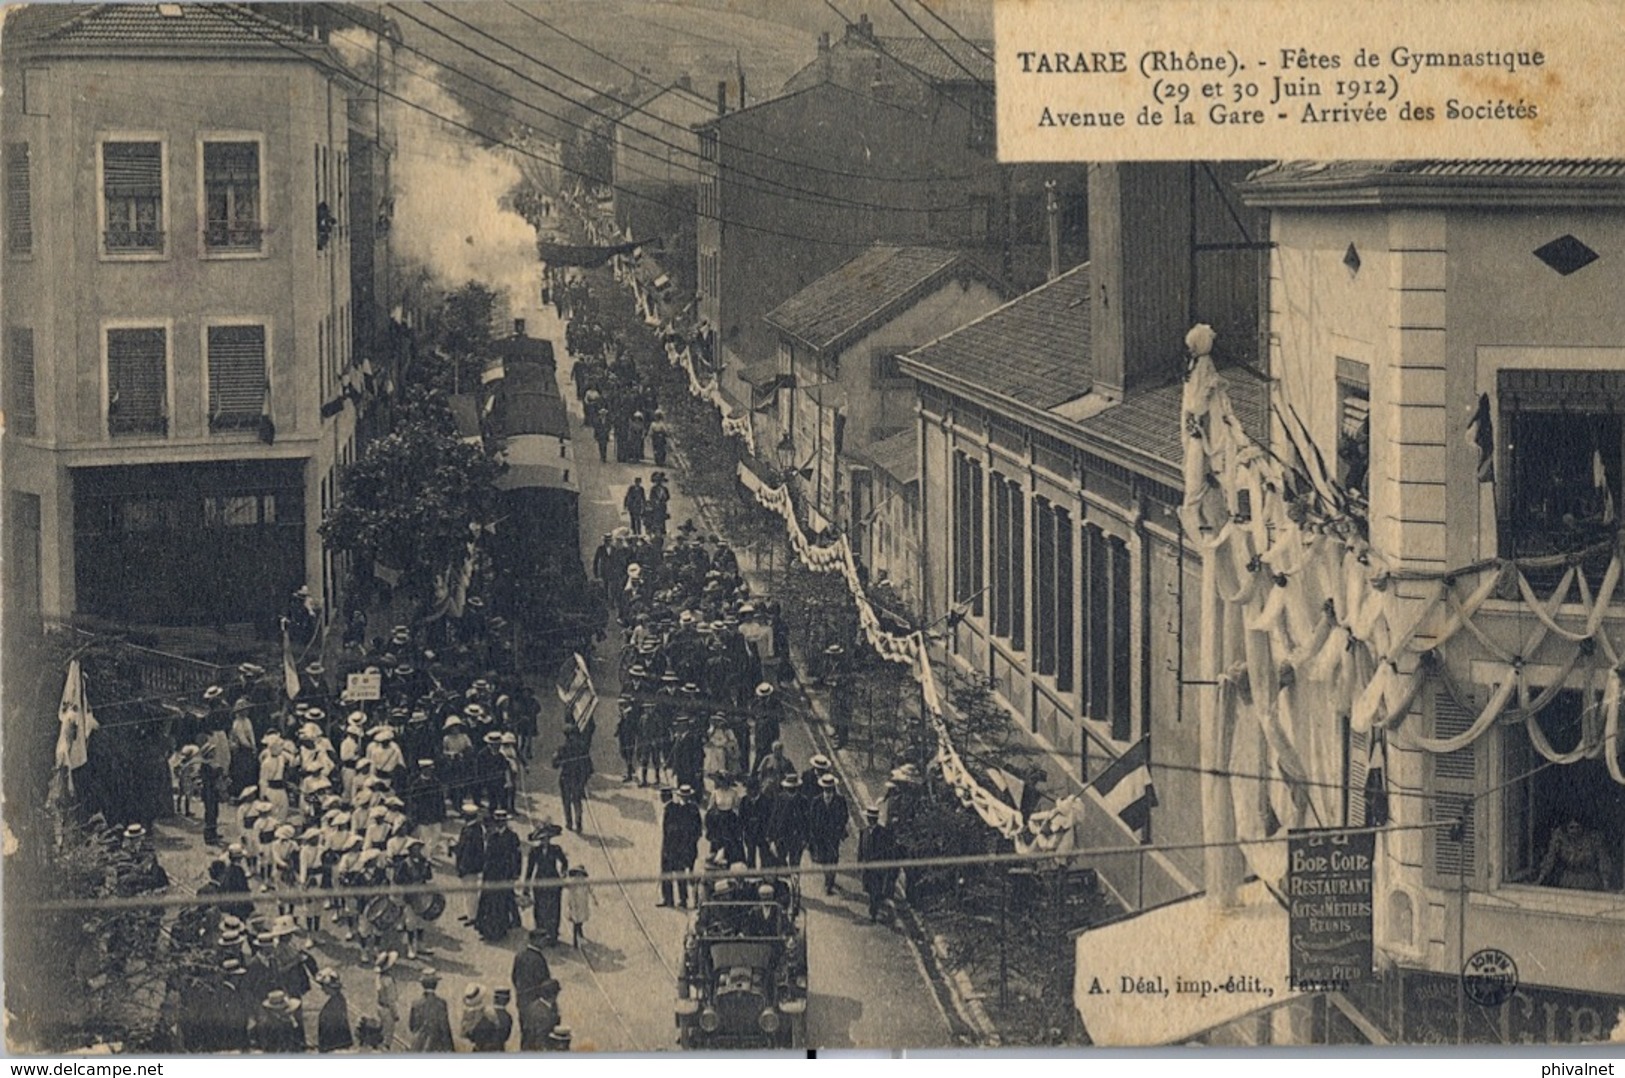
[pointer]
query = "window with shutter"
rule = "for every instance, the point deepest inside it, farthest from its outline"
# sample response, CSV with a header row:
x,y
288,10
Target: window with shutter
x,y
1001,555
1043,587
237,377
1018,567
1121,715
133,193
19,199
1454,851
20,402
1354,426
1061,598
1097,648
137,381
231,196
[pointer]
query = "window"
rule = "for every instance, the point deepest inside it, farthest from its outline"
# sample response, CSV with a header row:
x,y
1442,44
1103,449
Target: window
x,y
1454,853
231,511
20,396
1052,593
708,145
1354,427
1563,825
137,381
133,197
969,571
1009,561
1564,443
231,196
19,199
237,377
1104,613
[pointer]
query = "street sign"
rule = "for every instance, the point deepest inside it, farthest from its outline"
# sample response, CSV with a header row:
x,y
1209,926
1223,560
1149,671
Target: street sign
x,y
364,686
1330,905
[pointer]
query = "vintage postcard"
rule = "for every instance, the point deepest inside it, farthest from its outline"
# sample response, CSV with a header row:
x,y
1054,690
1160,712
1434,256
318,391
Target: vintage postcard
x,y
653,526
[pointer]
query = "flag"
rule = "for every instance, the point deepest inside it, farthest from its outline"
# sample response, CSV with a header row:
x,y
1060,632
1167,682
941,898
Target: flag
x,y
1482,429
1126,786
1012,787
290,673
77,724
575,689
267,425
1599,480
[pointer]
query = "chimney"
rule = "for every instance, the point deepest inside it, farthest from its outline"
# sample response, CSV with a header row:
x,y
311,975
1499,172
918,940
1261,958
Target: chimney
x,y
722,97
1052,211
518,327
823,42
741,87
684,82
1139,273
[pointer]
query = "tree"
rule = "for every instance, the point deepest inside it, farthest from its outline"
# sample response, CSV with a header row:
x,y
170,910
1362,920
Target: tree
x,y
411,499
460,331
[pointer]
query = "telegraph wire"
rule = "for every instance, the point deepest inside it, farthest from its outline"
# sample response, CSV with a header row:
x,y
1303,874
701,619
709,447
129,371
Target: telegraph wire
x,y
816,197
772,187
810,167
952,28
940,47
701,876
496,140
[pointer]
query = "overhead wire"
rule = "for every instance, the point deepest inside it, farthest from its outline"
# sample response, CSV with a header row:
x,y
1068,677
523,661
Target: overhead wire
x,y
497,140
952,28
764,185
940,47
810,195
900,178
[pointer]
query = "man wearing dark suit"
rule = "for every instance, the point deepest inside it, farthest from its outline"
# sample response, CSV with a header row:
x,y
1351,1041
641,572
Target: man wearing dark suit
x,y
530,972
429,1020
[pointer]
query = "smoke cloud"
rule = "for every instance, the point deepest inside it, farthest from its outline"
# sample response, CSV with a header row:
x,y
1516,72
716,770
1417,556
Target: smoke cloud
x,y
450,215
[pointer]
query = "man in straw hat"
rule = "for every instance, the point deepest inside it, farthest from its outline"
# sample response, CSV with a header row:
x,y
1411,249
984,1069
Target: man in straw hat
x,y
277,1030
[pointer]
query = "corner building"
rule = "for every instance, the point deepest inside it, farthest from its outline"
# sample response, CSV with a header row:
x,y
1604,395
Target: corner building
x,y
177,313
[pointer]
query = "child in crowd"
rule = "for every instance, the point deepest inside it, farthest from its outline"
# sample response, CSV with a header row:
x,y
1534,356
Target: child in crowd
x,y
579,899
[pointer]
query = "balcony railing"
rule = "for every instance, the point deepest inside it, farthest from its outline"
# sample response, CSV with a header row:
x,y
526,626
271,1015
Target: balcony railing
x,y
220,237
134,240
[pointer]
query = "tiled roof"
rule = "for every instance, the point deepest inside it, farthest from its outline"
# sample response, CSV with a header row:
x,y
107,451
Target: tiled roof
x,y
851,299
929,60
897,456
1034,349
1148,422
150,24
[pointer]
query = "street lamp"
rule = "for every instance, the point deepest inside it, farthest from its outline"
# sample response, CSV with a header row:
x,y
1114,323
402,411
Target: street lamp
x,y
786,453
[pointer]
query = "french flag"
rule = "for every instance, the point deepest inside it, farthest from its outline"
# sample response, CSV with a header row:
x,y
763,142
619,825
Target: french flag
x,y
1126,787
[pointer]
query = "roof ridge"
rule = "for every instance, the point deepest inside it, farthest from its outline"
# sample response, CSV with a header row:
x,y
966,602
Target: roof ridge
x,y
72,21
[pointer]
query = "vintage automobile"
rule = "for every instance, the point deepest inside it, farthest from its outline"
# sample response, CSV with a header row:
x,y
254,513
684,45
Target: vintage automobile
x,y
744,978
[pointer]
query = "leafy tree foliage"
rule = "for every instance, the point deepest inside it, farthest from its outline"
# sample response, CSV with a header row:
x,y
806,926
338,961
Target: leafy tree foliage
x,y
410,500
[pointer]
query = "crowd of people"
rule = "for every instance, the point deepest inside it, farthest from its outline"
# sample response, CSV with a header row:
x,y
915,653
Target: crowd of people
x,y
307,798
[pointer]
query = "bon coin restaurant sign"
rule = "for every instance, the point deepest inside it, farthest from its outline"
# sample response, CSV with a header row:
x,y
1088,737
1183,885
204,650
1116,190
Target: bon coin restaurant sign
x,y
1329,907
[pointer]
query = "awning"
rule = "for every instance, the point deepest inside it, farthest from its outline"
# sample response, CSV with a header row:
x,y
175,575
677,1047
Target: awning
x,y
1170,973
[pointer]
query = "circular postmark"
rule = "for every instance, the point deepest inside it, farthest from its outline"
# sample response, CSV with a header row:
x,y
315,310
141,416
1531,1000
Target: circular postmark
x,y
1489,977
